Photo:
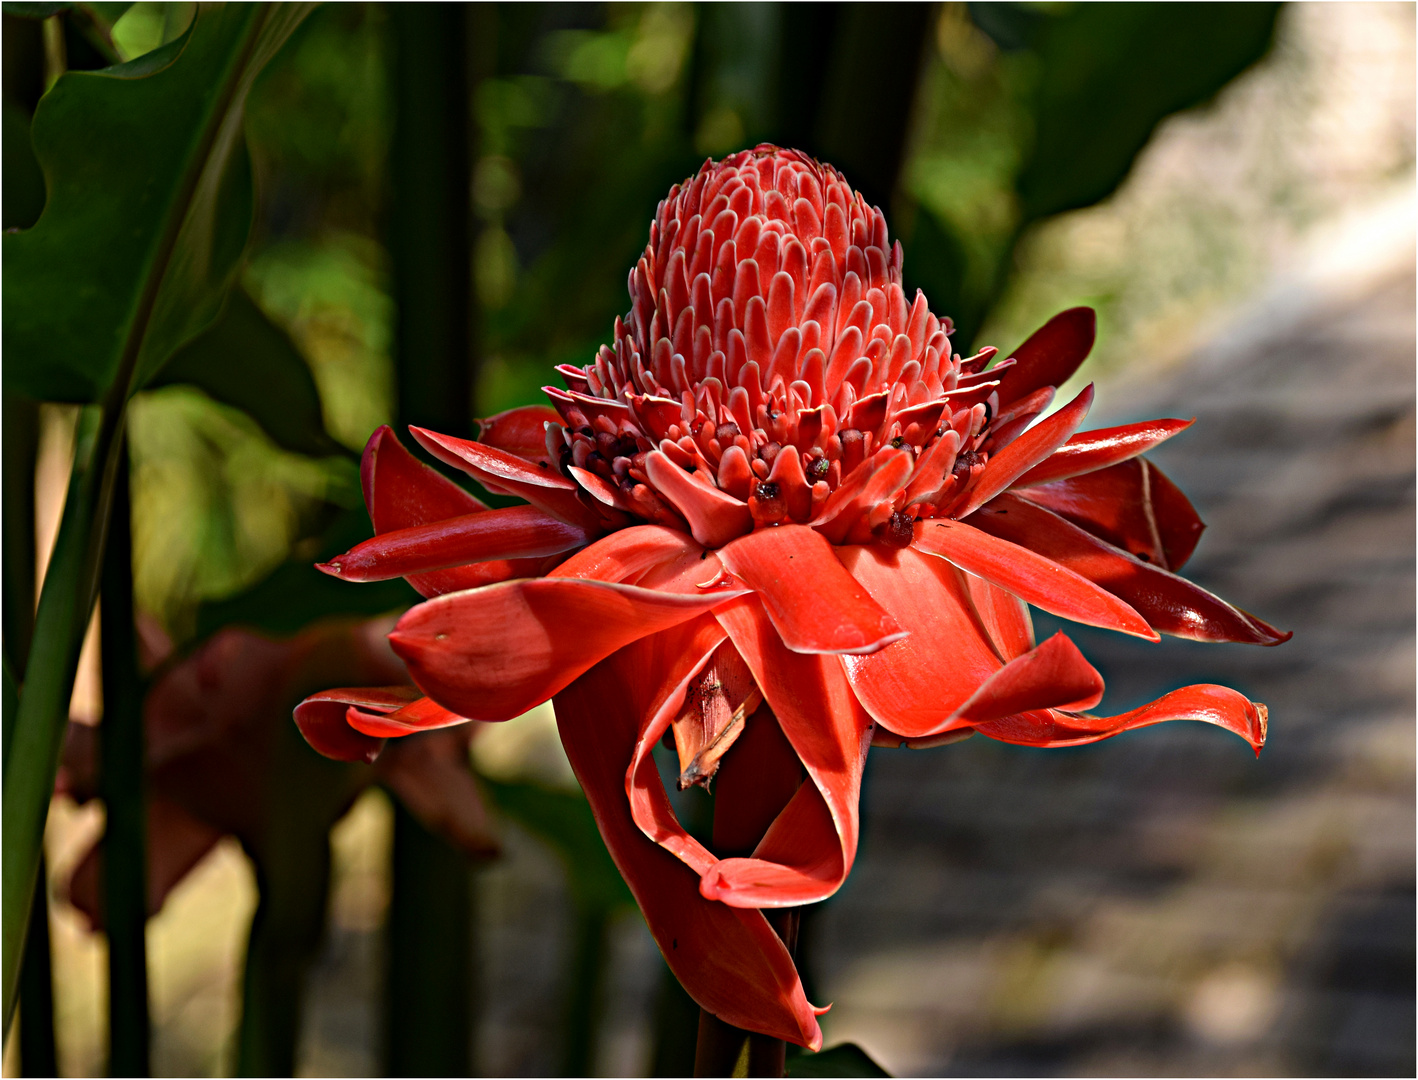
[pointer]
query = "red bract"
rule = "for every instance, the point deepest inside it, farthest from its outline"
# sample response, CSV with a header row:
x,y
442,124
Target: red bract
x,y
779,518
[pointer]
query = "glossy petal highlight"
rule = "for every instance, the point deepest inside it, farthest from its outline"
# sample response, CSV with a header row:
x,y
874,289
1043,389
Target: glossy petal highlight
x,y
493,653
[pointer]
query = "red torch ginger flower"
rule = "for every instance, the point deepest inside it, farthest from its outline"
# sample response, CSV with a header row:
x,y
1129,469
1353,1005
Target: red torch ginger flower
x,y
779,518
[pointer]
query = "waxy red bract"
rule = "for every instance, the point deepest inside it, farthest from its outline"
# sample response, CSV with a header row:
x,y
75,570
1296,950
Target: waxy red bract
x,y
780,454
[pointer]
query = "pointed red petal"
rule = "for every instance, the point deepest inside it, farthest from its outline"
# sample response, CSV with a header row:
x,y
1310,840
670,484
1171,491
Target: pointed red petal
x,y
1205,702
831,733
1050,355
1025,452
715,517
1089,451
1169,603
327,730
667,662
516,532
1131,505
913,685
800,860
728,959
322,719
1004,616
816,605
1053,676
507,474
425,714
1032,577
521,432
628,555
401,492
493,653
875,480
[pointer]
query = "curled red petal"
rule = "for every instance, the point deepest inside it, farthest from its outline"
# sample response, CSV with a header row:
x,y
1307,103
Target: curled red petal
x,y
1021,455
400,491
423,714
667,662
799,861
516,532
493,653
715,517
1204,702
322,719
728,959
874,481
1050,355
1053,676
1089,451
1033,577
912,686
628,555
1131,505
508,474
1169,603
521,432
1003,615
326,728
831,733
816,606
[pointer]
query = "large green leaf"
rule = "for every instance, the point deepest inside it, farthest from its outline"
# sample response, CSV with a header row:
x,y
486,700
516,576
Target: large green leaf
x,y
148,211
1052,120
245,360
1111,72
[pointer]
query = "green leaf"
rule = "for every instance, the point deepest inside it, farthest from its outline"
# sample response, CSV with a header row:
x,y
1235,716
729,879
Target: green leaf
x,y
109,12
149,207
1111,72
246,361
844,1059
65,603
23,190
148,212
32,11
564,820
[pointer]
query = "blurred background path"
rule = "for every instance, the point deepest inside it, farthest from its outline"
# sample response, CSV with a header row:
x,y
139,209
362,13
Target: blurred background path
x,y
1163,904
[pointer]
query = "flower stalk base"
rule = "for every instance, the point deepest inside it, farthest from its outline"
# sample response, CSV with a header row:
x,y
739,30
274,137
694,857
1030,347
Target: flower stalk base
x,y
725,1050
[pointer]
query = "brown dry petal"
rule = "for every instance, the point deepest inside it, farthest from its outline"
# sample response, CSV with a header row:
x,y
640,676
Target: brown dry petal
x,y
712,716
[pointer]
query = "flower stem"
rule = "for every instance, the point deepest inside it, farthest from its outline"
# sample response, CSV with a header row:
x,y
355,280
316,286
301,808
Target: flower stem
x,y
724,1050
125,878
756,779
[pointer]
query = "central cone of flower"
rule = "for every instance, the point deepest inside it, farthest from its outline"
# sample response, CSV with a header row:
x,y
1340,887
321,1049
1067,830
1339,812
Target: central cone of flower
x,y
771,365
778,521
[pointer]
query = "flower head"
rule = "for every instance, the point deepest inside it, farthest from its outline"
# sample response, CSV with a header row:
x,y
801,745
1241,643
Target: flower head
x,y
781,519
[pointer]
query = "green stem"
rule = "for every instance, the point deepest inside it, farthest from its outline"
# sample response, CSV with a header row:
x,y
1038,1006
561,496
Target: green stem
x,y
21,438
38,1054
583,1003
285,933
65,604
430,985
125,879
